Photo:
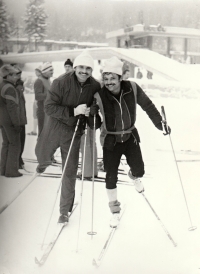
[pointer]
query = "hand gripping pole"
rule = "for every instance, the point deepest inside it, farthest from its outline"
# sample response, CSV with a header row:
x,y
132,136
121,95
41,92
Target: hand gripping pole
x,y
165,129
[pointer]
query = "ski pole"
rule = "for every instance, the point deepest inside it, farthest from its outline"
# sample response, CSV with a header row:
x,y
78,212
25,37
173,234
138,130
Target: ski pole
x,y
169,236
66,161
166,131
81,193
93,168
126,170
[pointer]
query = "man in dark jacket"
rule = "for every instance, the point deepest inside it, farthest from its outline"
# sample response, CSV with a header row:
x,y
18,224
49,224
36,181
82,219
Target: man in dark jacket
x,y
42,86
22,111
68,103
117,101
9,122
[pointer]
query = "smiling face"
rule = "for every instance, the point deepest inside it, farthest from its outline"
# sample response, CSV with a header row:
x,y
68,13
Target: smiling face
x,y
83,73
112,82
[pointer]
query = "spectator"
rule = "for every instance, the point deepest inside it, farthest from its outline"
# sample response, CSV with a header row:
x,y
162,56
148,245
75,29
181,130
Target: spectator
x,y
139,74
9,122
68,66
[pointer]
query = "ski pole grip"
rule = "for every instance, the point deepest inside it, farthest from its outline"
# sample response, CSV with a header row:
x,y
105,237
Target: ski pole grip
x,y
163,115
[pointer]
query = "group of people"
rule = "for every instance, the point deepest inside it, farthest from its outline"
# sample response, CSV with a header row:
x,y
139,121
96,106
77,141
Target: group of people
x,y
76,101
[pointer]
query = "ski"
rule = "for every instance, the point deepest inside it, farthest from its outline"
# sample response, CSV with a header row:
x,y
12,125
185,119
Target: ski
x,y
98,261
33,176
50,246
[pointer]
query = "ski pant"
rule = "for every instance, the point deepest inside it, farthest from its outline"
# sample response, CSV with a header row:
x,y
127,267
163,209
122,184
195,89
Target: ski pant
x,y
88,167
55,135
41,117
132,152
22,141
10,151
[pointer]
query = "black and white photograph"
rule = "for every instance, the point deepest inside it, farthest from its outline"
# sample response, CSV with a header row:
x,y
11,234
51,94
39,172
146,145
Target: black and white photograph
x,y
99,137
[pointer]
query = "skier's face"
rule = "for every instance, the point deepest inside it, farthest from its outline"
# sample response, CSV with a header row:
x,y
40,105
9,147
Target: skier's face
x,y
112,82
83,73
68,68
12,78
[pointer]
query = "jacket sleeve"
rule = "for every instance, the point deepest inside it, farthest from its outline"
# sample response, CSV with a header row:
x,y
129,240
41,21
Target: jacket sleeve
x,y
40,95
12,104
53,105
147,105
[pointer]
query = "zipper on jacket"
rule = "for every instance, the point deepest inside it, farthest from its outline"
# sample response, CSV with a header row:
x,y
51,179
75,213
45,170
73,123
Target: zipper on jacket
x,y
121,115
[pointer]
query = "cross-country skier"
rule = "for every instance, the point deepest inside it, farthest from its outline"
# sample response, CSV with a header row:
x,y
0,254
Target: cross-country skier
x,y
117,101
69,100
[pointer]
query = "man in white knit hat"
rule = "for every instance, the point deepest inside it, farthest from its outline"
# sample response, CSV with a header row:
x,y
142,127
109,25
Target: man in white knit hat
x,y
41,88
117,101
69,101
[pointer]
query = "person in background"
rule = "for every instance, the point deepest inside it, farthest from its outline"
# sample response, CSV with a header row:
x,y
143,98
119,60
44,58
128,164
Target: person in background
x,y
126,74
35,120
139,74
70,100
42,86
19,85
10,122
149,74
68,65
117,101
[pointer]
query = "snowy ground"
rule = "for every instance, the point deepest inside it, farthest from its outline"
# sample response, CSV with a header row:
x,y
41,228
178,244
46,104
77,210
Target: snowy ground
x,y
140,245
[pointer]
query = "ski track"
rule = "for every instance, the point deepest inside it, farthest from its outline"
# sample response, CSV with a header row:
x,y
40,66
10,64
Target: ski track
x,y
140,245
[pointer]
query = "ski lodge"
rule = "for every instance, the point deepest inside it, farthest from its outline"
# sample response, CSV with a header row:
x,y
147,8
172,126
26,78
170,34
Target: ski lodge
x,y
181,44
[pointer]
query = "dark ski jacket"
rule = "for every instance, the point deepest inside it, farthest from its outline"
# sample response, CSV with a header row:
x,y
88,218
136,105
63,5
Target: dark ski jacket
x,y
119,116
22,102
9,105
66,93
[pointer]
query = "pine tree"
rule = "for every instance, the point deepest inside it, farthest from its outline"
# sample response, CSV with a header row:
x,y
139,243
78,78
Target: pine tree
x,y
4,26
35,21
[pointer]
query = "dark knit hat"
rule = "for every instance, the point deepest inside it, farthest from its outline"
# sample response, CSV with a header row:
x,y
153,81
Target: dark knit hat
x,y
68,62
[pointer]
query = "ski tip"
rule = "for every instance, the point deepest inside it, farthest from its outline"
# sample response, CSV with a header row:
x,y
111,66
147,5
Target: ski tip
x,y
94,262
36,261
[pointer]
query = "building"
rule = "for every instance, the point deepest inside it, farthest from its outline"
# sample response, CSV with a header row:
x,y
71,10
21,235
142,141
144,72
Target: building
x,y
181,44
20,45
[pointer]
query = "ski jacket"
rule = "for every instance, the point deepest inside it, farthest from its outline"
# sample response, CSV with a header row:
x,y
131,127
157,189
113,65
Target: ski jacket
x,y
9,104
66,93
119,116
42,86
22,102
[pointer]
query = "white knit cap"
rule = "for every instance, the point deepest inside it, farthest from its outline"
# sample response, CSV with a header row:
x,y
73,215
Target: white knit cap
x,y
84,59
46,67
113,65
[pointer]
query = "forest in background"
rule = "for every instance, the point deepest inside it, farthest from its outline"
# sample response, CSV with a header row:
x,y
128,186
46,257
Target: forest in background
x,y
90,20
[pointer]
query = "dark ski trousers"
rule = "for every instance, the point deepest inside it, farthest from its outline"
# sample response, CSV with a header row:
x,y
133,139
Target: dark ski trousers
x,y
10,151
22,141
41,118
53,136
132,152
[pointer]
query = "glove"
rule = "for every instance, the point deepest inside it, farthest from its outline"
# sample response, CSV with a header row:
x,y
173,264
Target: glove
x,y
166,129
94,109
80,109
17,129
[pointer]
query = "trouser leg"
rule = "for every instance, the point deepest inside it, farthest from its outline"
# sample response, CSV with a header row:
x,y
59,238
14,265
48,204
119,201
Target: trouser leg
x,y
10,151
69,178
40,117
88,168
111,164
47,144
134,158
22,141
